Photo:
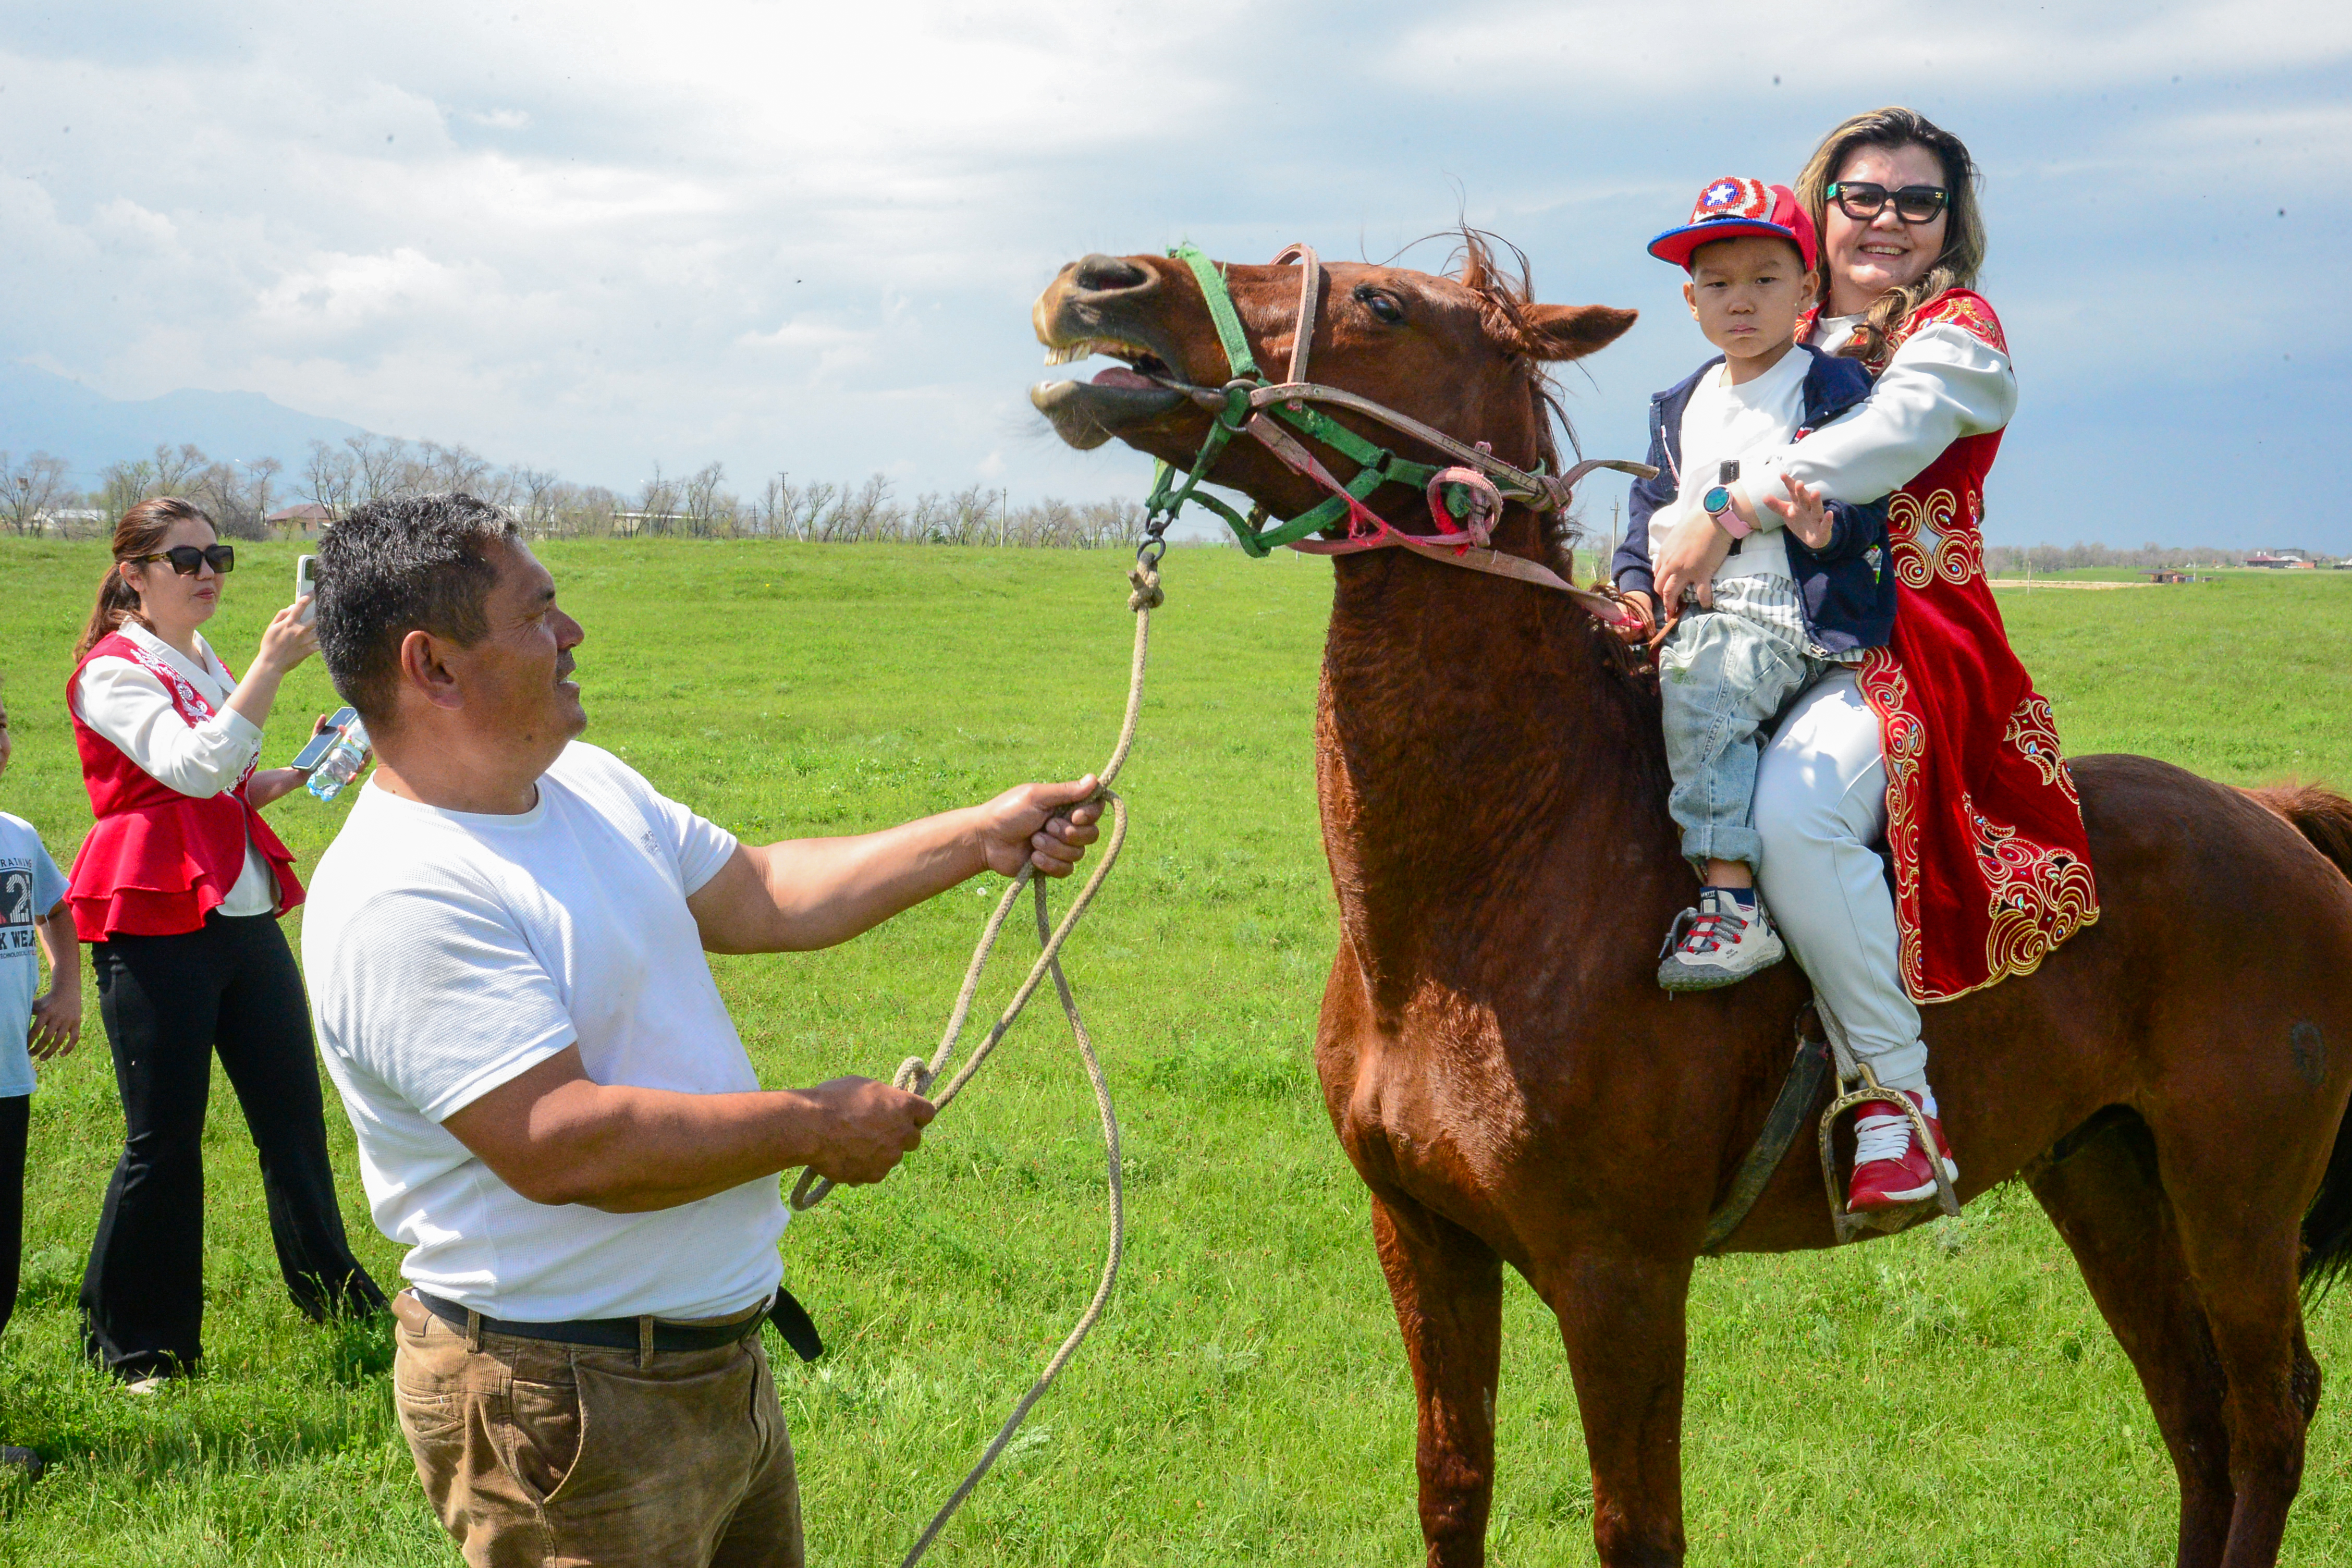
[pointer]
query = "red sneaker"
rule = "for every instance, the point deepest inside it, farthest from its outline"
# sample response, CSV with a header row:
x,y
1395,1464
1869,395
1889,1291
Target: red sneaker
x,y
1890,1169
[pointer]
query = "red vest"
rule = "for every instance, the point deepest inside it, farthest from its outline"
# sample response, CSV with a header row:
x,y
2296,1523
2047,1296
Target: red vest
x,y
159,861
1992,866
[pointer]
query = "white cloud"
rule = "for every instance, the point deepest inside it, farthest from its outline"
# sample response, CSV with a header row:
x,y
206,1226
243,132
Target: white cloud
x,y
588,234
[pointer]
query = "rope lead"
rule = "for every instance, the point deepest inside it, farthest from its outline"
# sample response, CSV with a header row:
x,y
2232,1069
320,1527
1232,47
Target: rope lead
x,y
916,1076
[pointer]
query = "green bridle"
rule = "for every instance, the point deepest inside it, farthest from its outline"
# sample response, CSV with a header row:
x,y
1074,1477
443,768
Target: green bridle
x,y
1472,491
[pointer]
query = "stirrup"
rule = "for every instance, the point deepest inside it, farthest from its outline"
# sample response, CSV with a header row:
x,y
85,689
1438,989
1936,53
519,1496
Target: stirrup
x,y
1845,1225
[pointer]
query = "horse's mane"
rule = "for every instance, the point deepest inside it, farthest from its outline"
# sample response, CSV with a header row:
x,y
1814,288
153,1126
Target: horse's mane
x,y
1504,294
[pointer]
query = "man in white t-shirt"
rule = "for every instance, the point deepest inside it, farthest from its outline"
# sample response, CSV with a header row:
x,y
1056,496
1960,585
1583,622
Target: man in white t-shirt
x,y
505,952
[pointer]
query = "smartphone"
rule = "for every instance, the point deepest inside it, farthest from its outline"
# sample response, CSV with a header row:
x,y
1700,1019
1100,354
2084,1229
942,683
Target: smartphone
x,y
306,581
311,755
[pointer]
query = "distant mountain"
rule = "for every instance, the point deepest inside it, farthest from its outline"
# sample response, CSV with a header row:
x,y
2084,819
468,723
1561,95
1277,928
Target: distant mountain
x,y
45,413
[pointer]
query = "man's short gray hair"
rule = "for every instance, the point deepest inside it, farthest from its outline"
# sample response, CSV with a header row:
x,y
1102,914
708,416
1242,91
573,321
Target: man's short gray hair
x,y
392,567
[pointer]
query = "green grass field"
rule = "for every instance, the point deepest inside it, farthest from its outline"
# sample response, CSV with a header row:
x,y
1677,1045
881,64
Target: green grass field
x,y
1246,1399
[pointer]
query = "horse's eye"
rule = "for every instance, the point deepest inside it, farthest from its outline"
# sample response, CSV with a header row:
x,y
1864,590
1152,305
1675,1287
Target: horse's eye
x,y
1384,308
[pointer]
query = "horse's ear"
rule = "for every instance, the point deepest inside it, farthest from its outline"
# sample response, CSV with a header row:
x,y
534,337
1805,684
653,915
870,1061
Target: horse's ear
x,y
1571,332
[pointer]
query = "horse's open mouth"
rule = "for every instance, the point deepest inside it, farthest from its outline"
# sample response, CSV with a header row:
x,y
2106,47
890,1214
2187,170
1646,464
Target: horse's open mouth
x,y
1085,414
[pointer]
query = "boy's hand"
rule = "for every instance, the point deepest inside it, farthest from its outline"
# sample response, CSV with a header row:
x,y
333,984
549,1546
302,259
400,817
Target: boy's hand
x,y
1647,607
55,1027
1693,551
1802,513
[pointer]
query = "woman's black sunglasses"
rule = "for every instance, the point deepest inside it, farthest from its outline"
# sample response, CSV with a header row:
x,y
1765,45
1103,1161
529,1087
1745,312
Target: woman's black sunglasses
x,y
1862,201
186,558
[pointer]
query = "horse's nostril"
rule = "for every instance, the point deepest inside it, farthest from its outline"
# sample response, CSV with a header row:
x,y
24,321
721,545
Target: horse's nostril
x,y
1108,274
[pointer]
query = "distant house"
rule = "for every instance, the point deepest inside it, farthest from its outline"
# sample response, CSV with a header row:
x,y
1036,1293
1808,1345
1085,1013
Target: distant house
x,y
69,523
309,517
2168,575
2288,559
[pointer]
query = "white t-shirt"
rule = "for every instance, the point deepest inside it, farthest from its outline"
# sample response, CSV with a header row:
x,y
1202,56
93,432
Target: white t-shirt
x,y
30,887
125,701
1746,422
447,953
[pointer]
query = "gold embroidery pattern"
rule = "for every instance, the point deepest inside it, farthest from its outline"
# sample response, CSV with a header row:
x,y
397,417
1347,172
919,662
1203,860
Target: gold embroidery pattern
x,y
1963,309
2034,734
1903,740
2040,896
1959,548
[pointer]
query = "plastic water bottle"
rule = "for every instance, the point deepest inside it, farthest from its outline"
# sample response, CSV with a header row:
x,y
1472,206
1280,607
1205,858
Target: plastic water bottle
x,y
342,762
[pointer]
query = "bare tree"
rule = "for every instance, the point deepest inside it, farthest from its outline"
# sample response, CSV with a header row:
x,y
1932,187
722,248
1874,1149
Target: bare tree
x,y
864,514
443,470
776,508
328,476
656,505
176,468
31,489
379,467
124,484
536,490
815,504
587,510
708,508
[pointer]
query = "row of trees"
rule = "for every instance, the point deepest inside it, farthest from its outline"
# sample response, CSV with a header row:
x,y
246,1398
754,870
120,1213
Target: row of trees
x,y
35,497
241,496
2018,561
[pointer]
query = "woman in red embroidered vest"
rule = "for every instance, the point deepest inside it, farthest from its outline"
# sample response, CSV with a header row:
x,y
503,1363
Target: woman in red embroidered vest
x,y
179,886
1939,742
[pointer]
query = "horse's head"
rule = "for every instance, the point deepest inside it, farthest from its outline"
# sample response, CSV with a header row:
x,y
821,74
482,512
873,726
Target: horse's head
x,y
1465,355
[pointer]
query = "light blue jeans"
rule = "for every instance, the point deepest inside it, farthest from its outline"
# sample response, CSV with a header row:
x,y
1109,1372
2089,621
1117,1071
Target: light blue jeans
x,y
1722,678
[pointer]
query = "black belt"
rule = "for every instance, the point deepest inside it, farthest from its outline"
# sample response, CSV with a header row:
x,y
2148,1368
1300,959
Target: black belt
x,y
791,1320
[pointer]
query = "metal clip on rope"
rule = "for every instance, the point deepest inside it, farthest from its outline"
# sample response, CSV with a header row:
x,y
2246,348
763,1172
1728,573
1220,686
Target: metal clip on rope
x,y
916,1076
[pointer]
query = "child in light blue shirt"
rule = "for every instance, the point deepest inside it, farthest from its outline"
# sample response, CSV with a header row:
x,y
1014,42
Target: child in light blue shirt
x,y
34,1025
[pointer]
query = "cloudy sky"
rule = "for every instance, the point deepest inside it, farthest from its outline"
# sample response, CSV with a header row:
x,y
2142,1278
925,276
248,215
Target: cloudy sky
x,y
594,237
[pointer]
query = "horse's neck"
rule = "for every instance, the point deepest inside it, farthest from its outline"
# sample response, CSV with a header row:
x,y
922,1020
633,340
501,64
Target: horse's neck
x,y
1483,767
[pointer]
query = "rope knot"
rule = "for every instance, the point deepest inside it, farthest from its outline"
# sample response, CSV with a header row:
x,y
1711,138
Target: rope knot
x,y
1147,595
913,1077
1482,502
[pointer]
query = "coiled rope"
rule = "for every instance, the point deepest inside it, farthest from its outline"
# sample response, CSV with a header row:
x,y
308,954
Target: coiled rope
x,y
916,1076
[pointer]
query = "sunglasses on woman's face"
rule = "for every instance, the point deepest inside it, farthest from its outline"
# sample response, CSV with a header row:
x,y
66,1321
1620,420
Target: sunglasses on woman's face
x,y
186,558
1862,201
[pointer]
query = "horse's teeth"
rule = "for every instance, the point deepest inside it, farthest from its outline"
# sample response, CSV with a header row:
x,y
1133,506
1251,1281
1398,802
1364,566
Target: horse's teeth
x,y
1085,348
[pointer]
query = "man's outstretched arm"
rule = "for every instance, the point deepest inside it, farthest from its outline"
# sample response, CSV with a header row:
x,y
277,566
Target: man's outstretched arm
x,y
805,893
556,1136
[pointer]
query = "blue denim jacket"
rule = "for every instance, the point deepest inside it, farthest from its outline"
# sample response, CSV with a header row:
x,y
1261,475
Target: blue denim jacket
x,y
1847,586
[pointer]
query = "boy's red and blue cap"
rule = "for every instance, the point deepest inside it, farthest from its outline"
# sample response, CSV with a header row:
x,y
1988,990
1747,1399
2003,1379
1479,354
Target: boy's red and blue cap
x,y
1735,206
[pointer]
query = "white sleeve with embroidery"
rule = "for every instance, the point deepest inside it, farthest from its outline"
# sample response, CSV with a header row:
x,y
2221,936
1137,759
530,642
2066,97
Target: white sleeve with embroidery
x,y
127,705
1943,383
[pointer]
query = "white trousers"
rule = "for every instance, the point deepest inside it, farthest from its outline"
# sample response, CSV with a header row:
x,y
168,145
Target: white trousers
x,y
1821,805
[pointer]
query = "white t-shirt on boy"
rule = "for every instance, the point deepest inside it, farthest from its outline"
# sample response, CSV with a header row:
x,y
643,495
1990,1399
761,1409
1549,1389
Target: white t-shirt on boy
x,y
30,887
447,953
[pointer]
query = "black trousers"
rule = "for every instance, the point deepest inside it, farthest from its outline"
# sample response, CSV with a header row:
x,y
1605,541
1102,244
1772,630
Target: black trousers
x,y
16,1120
169,1002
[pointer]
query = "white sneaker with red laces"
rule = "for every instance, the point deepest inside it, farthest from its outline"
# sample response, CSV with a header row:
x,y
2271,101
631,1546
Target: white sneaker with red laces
x,y
1890,1168
1717,944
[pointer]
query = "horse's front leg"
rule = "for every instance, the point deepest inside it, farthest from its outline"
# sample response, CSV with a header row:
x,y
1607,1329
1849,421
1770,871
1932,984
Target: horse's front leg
x,y
1448,1290
1622,1318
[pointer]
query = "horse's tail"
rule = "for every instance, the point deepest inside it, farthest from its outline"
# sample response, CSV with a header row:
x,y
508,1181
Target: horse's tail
x,y
2324,817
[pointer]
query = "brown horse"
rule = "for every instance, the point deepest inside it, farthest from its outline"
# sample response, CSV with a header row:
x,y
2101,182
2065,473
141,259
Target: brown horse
x,y
1512,1085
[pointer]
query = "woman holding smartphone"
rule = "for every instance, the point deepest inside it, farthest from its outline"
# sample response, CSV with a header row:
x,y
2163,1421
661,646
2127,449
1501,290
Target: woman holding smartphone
x,y
179,887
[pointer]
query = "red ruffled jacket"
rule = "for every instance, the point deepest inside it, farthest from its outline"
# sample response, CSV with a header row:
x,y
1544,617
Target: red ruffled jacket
x,y
159,861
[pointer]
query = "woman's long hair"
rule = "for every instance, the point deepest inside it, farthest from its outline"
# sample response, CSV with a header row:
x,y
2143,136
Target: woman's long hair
x,y
1964,234
141,532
